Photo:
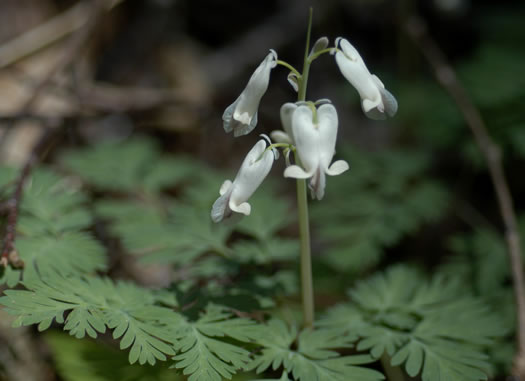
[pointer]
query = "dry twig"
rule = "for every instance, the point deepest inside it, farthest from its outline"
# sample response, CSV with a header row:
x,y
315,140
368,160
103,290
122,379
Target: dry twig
x,y
446,76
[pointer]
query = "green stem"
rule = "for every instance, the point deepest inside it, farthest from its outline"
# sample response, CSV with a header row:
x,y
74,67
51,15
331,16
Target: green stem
x,y
393,373
276,145
306,63
306,257
288,66
302,206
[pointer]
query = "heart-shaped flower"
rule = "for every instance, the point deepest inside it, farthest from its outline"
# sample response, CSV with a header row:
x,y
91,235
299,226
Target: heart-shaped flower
x,y
315,136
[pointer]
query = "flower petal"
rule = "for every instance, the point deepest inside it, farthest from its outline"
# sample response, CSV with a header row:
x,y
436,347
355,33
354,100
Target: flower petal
x,y
297,172
389,101
306,138
319,45
337,168
243,208
328,123
281,137
228,115
293,81
225,187
220,209
317,185
253,171
287,111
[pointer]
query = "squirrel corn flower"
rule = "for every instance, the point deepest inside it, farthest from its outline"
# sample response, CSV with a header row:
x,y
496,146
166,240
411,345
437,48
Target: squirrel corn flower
x,y
315,141
234,195
375,99
241,116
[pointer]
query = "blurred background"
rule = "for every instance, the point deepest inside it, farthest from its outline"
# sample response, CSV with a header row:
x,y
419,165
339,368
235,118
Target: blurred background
x,y
92,71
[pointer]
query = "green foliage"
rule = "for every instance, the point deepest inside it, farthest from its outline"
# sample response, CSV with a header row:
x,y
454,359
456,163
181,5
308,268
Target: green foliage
x,y
142,320
434,328
315,358
94,304
51,204
158,209
52,217
133,165
383,198
61,259
160,228
86,360
273,214
481,259
174,234
201,353
69,253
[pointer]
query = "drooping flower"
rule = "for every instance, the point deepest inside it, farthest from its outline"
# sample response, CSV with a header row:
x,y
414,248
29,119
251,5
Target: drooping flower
x,y
241,116
376,101
315,139
234,195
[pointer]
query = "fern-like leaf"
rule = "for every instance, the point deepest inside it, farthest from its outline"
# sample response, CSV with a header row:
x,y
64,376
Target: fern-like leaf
x,y
52,205
177,235
434,328
67,254
203,355
52,215
93,305
315,358
138,163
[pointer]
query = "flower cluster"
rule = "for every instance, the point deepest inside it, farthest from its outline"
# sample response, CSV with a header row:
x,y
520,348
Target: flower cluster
x,y
309,128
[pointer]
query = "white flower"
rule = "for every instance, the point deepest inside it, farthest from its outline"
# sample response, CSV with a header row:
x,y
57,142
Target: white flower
x,y
375,99
285,136
234,194
241,116
315,142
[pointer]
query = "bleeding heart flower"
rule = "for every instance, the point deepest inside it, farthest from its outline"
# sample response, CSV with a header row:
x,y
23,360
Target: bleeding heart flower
x,y
315,137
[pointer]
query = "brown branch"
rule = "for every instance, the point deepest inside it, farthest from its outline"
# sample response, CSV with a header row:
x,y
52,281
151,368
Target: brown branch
x,y
446,76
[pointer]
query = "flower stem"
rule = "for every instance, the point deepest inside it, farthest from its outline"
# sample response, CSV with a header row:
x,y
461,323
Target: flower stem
x,y
302,206
306,63
306,257
288,66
